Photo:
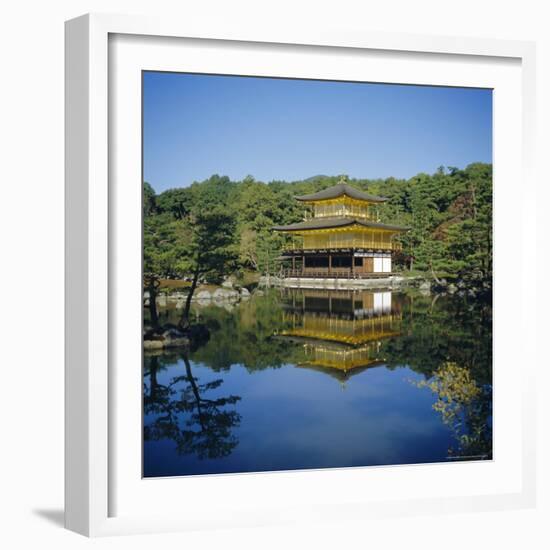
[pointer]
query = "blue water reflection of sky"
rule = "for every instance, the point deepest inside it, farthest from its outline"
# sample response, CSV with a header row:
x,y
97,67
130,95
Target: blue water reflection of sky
x,y
296,418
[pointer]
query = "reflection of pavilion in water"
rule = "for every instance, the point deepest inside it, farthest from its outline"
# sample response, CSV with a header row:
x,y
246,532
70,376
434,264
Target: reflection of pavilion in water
x,y
341,331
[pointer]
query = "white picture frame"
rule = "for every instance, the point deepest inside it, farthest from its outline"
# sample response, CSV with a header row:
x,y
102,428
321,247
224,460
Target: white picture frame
x,y
94,443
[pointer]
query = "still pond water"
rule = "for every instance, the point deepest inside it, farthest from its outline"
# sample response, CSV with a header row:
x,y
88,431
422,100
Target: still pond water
x,y
296,379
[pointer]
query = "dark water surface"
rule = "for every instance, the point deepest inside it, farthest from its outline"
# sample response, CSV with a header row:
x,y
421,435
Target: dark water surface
x,y
320,379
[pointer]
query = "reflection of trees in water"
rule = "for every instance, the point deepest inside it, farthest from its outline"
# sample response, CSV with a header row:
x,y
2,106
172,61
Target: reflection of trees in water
x,y
183,413
435,333
244,336
464,406
453,328
450,328
449,341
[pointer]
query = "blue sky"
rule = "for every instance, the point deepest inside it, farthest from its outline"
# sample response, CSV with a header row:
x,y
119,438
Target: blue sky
x,y
281,129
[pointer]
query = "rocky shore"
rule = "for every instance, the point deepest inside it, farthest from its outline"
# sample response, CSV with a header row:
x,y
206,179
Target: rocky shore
x,y
171,336
393,282
424,283
457,287
224,293
228,292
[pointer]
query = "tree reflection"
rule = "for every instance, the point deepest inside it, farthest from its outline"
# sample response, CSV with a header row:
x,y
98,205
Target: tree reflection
x,y
447,340
464,406
182,412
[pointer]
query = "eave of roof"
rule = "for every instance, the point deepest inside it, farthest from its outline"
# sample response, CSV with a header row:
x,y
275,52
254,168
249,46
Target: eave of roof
x,y
339,190
330,223
340,375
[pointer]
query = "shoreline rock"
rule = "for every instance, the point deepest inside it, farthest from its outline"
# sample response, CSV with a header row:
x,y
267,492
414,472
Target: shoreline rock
x,y
171,336
219,296
225,294
245,293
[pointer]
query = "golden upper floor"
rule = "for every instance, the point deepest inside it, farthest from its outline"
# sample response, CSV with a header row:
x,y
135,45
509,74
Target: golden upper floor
x,y
343,217
343,207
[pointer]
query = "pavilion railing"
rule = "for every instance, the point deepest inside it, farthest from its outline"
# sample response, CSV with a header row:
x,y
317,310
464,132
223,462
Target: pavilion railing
x,y
393,246
332,274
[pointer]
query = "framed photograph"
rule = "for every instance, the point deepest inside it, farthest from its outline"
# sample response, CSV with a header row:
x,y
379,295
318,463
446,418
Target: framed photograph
x,y
297,275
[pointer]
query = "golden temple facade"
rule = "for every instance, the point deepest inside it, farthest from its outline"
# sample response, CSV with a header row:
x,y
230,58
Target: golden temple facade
x,y
341,236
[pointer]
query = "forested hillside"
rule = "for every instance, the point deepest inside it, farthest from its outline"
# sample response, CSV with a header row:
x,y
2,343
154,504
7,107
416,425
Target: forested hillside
x,y
218,227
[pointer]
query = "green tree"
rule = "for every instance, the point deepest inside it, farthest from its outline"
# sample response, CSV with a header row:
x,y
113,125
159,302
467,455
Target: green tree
x,y
149,200
159,240
206,249
259,207
177,202
163,238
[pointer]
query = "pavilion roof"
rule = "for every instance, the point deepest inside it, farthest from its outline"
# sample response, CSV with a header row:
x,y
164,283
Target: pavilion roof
x,y
329,223
340,375
337,191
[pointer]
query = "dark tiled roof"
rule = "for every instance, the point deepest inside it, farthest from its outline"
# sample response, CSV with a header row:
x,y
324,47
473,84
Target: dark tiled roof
x,y
329,223
337,191
338,374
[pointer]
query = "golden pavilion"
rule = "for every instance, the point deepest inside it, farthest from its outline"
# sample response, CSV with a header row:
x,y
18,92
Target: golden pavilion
x,y
341,236
341,331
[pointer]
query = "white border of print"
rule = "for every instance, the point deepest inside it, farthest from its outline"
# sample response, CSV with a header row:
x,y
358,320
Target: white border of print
x,y
128,493
105,493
